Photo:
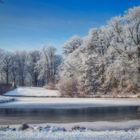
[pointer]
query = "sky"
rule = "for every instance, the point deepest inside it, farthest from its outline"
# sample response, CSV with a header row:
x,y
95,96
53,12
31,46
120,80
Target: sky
x,y
33,24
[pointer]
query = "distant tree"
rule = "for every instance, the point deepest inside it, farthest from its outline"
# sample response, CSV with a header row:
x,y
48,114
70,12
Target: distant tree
x,y
14,68
7,66
21,62
47,65
2,53
33,58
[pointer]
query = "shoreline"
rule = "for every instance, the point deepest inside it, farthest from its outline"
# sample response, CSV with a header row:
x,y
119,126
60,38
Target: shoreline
x,y
93,126
69,103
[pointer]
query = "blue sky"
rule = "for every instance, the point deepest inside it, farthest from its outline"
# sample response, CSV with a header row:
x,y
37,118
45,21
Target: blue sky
x,y
32,24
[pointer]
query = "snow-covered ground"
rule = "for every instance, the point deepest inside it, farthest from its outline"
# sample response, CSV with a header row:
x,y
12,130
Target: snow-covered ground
x,y
42,102
4,99
33,92
49,132
31,97
89,135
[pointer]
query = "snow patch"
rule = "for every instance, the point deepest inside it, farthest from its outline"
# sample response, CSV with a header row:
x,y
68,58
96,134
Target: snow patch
x,y
32,92
76,135
4,99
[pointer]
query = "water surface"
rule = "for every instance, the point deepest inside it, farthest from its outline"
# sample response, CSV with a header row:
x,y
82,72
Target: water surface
x,y
116,113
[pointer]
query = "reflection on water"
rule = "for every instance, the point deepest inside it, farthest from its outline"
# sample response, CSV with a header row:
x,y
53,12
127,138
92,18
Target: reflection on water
x,y
17,116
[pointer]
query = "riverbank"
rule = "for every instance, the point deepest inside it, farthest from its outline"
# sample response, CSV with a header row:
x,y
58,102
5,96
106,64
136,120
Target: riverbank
x,y
68,103
73,131
42,92
4,99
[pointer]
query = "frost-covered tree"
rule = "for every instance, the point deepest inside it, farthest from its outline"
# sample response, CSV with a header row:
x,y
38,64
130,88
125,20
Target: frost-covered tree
x,y
68,74
33,58
34,68
14,68
6,67
108,59
132,18
121,56
71,45
47,65
21,62
1,64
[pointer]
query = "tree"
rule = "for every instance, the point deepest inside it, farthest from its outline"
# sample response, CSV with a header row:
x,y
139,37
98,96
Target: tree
x,y
22,67
71,45
33,58
34,68
108,58
14,68
1,64
47,65
7,66
132,18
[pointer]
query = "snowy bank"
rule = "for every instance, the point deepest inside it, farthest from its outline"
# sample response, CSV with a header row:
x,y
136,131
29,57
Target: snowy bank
x,y
33,92
4,99
78,126
66,103
51,132
89,135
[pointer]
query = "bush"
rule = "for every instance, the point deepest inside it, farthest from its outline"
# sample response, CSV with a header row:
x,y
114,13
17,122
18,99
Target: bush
x,y
68,87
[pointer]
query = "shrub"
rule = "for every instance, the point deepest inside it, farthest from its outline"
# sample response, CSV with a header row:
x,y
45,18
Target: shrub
x,y
68,87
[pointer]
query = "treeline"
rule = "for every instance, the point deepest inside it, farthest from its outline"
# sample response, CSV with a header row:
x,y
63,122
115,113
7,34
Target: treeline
x,y
106,61
35,68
